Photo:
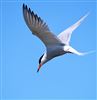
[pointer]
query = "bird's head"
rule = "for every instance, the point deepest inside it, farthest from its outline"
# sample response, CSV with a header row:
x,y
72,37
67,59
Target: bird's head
x,y
42,60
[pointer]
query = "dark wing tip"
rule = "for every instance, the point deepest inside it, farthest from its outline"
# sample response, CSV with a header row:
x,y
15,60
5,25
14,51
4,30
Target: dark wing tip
x,y
32,13
36,17
29,10
24,6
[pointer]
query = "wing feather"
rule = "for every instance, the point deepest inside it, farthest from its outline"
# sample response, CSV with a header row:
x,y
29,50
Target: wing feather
x,y
66,34
39,28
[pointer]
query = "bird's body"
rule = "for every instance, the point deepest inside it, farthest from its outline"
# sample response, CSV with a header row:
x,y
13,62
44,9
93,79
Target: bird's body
x,y
59,50
55,45
56,50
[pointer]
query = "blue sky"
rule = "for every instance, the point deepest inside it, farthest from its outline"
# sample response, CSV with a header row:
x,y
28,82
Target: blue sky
x,y
65,77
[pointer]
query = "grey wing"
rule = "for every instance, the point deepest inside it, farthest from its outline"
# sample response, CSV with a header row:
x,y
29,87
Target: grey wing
x,y
66,35
38,27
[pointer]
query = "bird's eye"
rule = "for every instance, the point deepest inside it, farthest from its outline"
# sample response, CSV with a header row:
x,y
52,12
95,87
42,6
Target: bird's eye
x,y
40,59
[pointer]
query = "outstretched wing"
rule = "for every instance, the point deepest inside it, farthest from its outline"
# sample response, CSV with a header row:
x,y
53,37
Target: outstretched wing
x,y
38,27
66,35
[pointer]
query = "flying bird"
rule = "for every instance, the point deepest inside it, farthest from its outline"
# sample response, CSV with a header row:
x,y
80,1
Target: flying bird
x,y
55,45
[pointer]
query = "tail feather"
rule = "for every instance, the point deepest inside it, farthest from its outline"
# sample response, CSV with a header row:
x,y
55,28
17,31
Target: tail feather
x,y
72,50
89,52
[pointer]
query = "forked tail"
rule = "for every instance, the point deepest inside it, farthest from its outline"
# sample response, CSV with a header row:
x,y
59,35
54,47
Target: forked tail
x,y
72,50
89,52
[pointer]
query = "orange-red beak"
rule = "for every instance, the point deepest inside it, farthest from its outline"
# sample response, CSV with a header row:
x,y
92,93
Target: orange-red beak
x,y
39,67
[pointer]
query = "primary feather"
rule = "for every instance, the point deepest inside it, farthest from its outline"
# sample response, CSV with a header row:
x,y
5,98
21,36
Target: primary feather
x,y
39,28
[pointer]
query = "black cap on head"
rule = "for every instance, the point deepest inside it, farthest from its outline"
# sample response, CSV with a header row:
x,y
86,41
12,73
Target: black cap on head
x,y
40,59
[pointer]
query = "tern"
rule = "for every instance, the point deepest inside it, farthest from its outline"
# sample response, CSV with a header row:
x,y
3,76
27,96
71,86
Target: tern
x,y
55,45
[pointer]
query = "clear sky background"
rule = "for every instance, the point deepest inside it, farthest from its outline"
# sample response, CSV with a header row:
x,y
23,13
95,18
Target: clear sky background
x,y
65,77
